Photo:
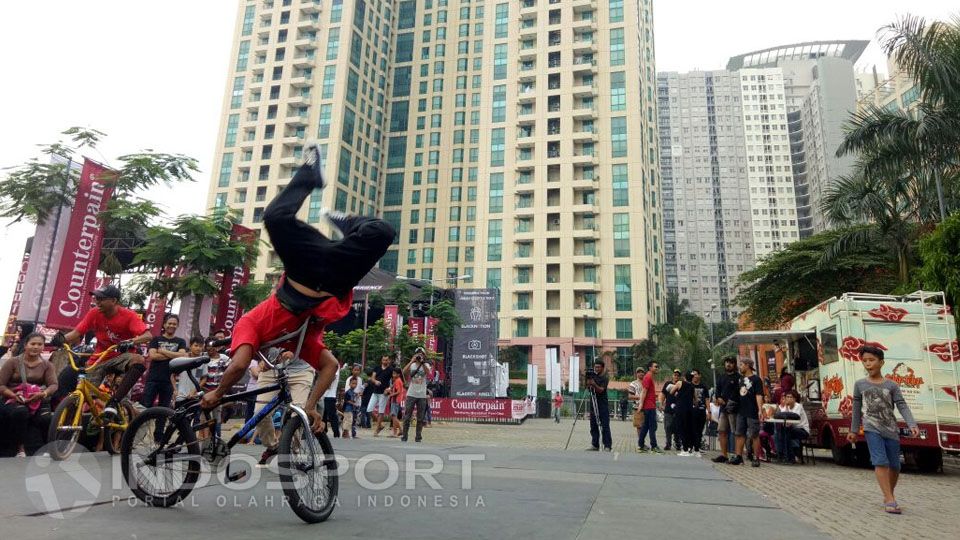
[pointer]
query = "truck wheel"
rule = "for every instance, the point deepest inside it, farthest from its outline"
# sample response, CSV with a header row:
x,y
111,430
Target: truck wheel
x,y
842,455
929,460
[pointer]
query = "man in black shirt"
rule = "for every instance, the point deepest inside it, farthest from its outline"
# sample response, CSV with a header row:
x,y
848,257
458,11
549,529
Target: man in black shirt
x,y
669,410
380,381
728,398
700,393
748,415
597,385
161,350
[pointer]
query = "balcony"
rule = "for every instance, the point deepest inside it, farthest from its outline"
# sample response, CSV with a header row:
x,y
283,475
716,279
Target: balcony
x,y
302,61
306,43
585,89
302,81
585,136
584,44
527,93
309,22
584,24
585,112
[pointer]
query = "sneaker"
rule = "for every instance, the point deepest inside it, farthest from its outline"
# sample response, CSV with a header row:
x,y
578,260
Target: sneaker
x,y
266,455
684,453
737,460
656,450
667,448
312,160
403,439
110,411
719,459
593,449
608,449
418,439
755,463
642,449
341,222
697,455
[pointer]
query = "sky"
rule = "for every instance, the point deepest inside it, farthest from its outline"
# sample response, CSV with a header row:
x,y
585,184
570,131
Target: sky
x,y
152,75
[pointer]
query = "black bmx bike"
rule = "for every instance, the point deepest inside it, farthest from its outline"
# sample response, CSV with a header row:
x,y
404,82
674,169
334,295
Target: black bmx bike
x,y
163,448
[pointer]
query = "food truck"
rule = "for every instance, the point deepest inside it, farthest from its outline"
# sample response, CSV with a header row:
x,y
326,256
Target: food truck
x,y
821,347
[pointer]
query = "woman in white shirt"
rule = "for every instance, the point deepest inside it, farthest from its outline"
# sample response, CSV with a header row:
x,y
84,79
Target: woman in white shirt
x,y
791,409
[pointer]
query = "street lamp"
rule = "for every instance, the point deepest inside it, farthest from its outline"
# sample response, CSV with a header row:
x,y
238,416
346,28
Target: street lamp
x,y
713,369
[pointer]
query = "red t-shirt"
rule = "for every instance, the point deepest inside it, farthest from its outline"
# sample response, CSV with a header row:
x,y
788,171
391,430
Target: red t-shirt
x,y
650,400
124,325
400,394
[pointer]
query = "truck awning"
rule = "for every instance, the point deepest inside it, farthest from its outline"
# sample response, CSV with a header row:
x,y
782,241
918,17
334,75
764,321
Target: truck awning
x,y
765,337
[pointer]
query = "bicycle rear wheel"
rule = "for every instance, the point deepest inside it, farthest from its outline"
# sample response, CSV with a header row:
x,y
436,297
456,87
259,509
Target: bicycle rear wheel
x,y
160,476
309,481
63,432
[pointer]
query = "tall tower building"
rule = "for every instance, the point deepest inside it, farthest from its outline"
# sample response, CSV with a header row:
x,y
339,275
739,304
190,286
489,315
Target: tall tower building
x,y
495,136
746,155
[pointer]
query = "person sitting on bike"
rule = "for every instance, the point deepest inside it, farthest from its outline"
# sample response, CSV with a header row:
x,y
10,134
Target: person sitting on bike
x,y
113,324
318,282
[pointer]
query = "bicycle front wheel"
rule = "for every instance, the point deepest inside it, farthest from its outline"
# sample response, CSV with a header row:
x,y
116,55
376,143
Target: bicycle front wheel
x,y
160,476
65,428
309,481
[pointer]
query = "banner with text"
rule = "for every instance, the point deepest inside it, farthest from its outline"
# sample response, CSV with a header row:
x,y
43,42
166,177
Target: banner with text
x,y
228,309
474,362
48,239
11,329
80,255
481,409
431,331
390,316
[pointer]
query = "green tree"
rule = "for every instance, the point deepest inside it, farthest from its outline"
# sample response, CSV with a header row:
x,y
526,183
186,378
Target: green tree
x,y
399,294
203,247
940,252
448,320
253,293
790,281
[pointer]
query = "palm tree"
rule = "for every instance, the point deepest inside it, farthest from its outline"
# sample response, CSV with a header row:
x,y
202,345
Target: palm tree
x,y
921,146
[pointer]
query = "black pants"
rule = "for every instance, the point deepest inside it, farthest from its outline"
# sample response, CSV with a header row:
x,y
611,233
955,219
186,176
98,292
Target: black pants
x,y
670,425
152,389
310,258
603,412
682,427
17,419
330,415
421,405
699,420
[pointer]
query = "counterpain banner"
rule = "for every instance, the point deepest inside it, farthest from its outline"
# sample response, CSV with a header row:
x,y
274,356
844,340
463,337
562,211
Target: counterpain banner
x,y
11,329
47,244
390,316
156,307
474,362
80,255
477,409
228,310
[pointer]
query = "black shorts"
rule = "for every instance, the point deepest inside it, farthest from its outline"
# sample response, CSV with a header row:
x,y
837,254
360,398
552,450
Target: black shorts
x,y
748,426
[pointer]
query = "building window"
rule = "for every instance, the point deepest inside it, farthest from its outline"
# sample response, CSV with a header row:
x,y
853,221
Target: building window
x,y
393,191
323,131
333,43
500,61
236,98
621,191
624,328
329,81
404,47
336,11
397,152
501,24
621,278
497,147
590,328
499,103
428,255
243,55
248,17
618,139
616,11
393,218
226,165
389,261
616,44
231,137
494,240
621,235
618,91
522,329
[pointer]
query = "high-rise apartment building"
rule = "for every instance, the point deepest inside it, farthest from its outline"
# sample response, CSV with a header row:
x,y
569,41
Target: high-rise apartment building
x,y
748,152
512,144
898,92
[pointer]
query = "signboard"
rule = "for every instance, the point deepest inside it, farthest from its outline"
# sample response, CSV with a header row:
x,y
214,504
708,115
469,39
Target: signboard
x,y
228,309
390,316
11,329
481,409
474,362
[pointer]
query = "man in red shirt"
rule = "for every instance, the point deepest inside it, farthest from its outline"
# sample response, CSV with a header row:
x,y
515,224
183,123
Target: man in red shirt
x,y
318,282
112,324
648,401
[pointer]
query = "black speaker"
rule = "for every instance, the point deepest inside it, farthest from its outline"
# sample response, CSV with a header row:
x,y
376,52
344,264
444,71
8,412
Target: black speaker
x,y
805,350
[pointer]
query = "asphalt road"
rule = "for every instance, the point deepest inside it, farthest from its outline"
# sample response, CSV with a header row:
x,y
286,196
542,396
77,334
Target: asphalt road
x,y
503,493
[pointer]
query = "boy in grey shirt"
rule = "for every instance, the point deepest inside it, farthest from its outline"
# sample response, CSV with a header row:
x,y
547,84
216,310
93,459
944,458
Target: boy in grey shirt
x,y
878,396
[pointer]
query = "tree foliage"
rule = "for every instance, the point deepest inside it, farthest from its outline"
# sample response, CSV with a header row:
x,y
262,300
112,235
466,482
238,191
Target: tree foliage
x,y
940,251
790,281
250,295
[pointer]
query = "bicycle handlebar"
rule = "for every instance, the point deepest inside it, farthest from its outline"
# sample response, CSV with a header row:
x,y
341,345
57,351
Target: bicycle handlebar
x,y
72,355
219,342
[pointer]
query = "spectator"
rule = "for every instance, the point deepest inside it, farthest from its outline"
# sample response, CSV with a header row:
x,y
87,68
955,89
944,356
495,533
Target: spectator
x,y
748,415
215,368
351,404
26,383
878,396
787,383
330,415
634,391
355,376
789,435
300,380
728,401
396,395
185,387
600,417
700,398
557,405
669,404
648,400
367,394
380,380
682,391
416,395
161,350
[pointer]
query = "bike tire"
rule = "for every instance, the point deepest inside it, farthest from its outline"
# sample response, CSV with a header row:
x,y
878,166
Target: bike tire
x,y
63,443
290,439
113,438
187,448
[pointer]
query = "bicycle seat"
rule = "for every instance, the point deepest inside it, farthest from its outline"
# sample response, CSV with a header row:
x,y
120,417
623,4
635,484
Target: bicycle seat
x,y
179,365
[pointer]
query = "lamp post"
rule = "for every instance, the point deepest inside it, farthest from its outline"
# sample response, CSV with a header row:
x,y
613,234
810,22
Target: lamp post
x,y
713,370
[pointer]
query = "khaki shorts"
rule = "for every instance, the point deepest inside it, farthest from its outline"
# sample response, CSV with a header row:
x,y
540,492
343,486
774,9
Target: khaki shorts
x,y
727,423
117,364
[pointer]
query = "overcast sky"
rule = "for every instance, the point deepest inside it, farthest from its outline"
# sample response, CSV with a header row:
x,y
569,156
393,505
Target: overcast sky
x,y
152,74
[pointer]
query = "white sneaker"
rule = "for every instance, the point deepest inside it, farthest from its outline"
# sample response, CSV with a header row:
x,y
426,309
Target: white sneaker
x,y
684,453
697,455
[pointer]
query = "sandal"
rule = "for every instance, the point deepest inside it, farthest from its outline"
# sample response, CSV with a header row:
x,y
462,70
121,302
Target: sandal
x,y
892,508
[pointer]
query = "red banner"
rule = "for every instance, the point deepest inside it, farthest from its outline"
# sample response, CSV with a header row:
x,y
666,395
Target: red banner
x,y
11,330
431,332
156,307
390,316
486,409
228,310
80,256
416,326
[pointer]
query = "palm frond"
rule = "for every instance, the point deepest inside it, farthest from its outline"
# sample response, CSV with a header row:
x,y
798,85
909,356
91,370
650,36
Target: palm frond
x,y
852,239
927,53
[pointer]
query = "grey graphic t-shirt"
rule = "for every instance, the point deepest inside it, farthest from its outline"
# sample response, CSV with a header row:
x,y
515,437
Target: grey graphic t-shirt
x,y
418,380
873,403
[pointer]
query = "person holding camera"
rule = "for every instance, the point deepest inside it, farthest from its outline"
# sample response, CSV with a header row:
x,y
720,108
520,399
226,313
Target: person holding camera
x,y
416,371
600,413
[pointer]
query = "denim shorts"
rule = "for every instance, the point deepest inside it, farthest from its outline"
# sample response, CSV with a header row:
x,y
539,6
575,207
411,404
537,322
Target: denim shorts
x,y
883,452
